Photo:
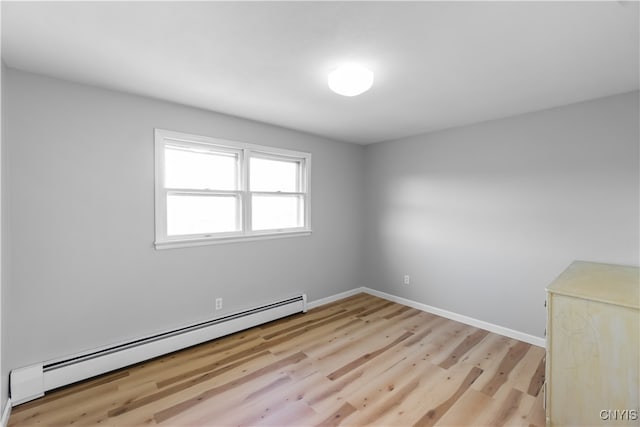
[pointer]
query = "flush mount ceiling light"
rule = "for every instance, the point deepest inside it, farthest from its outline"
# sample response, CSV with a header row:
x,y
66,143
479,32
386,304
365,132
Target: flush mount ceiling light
x,y
350,80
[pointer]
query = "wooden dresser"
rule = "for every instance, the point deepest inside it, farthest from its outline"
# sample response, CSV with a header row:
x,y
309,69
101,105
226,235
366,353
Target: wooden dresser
x,y
593,355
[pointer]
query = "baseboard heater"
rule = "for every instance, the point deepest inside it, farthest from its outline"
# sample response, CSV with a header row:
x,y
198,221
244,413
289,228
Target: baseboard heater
x,y
33,381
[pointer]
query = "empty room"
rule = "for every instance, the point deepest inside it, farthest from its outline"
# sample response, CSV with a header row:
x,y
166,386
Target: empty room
x,y
323,213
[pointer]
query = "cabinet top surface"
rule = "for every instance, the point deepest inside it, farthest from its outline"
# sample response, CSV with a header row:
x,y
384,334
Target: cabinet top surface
x,y
608,283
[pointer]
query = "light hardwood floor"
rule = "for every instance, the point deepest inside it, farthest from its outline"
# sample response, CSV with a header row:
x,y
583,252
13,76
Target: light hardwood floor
x,y
361,361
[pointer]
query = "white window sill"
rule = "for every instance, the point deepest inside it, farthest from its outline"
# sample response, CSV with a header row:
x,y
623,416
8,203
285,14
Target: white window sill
x,y
205,241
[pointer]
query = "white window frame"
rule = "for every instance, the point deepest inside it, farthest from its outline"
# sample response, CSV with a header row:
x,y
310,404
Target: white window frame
x,y
244,151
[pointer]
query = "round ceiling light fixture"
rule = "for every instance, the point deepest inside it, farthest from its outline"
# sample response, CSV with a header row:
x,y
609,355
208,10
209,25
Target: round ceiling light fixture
x,y
350,80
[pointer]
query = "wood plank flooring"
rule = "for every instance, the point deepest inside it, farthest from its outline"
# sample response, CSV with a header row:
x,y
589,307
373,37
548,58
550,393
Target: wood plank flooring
x,y
361,361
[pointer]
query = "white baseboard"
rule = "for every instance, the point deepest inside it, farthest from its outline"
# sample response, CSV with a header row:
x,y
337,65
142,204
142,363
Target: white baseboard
x,y
6,413
336,297
501,330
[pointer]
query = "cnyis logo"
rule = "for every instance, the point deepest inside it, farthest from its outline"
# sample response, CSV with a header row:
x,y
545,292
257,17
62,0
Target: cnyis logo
x,y
619,415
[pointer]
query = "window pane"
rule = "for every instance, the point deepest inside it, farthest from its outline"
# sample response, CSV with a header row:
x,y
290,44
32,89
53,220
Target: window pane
x,y
274,175
193,169
194,214
276,212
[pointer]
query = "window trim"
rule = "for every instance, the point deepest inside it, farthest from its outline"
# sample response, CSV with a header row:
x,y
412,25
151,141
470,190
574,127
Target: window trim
x,y
245,151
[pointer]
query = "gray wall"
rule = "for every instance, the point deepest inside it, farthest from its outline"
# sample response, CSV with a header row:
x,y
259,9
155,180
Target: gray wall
x,y
4,376
485,216
83,272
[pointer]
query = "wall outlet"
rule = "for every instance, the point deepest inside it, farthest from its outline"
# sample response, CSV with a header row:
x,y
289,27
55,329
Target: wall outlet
x,y
218,303
407,279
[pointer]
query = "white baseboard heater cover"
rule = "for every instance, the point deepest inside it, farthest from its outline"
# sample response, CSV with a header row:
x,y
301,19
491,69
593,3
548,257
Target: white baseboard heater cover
x,y
33,381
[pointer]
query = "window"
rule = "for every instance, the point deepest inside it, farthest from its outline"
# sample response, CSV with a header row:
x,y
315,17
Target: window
x,y
211,191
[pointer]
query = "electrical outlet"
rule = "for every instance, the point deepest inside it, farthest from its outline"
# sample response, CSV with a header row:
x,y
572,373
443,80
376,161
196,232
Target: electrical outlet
x,y
218,303
407,279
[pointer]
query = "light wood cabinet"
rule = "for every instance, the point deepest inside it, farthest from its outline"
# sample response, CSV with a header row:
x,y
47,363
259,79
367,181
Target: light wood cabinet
x,y
593,355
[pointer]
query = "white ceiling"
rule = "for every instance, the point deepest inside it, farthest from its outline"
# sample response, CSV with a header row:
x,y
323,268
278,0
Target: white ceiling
x,y
436,64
